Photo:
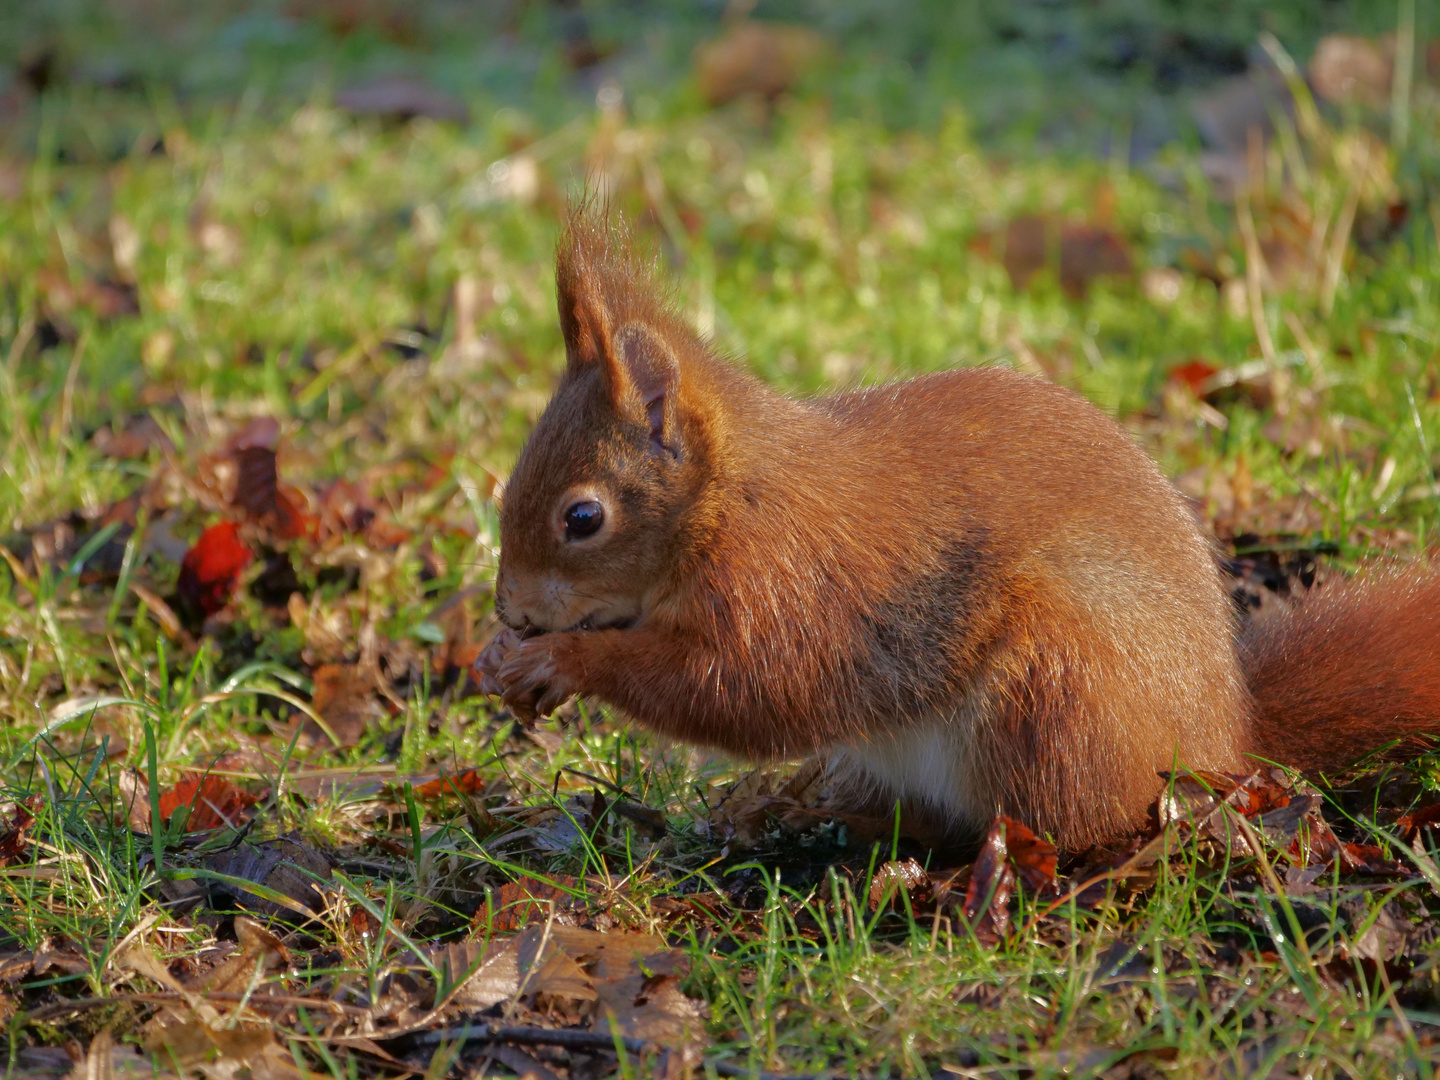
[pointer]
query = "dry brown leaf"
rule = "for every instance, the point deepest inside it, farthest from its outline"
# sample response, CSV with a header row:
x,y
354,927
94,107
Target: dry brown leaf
x,y
132,796
1347,67
987,898
401,98
893,878
190,1040
1078,253
261,952
289,868
516,904
1033,858
345,698
755,58
14,840
548,966
15,966
107,1059
480,976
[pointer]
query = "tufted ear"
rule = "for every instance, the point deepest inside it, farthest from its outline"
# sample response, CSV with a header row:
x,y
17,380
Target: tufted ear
x,y
642,366
582,322
599,281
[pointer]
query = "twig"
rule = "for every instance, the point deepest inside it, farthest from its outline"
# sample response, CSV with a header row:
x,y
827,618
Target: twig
x,y
63,1008
568,1038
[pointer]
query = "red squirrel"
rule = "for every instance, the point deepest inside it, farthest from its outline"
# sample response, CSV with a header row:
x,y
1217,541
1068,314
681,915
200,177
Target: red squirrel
x,y
971,590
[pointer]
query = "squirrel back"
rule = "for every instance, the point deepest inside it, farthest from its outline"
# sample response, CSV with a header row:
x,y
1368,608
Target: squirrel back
x,y
972,590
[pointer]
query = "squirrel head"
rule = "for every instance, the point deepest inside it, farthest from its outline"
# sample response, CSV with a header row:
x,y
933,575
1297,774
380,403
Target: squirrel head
x,y
597,511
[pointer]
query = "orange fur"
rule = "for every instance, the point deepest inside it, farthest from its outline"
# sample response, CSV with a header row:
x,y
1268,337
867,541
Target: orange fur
x,y
1353,667
971,589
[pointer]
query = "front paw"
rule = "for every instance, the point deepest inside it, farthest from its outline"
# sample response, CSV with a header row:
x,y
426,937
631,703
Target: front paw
x,y
487,665
539,675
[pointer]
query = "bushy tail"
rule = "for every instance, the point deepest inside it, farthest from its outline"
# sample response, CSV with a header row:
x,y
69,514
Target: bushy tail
x,y
1352,668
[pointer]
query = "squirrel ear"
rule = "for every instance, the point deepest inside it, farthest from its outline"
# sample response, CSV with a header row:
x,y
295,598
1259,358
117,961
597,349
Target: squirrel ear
x,y
584,326
642,362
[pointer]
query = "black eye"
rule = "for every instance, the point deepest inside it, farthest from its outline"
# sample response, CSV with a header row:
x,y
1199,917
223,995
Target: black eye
x,y
583,519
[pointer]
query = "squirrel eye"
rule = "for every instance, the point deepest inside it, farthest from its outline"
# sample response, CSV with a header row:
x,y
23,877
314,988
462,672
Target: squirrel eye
x,y
583,519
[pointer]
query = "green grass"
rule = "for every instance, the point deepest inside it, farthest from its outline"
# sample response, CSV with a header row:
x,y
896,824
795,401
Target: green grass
x,y
287,260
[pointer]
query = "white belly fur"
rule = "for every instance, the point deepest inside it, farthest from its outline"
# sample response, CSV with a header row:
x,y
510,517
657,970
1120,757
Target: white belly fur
x,y
927,763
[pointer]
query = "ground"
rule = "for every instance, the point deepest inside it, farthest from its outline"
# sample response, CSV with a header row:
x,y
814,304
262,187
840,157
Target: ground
x,y
276,313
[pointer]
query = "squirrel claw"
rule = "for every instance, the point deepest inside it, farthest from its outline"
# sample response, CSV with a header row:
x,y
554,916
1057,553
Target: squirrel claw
x,y
533,680
487,665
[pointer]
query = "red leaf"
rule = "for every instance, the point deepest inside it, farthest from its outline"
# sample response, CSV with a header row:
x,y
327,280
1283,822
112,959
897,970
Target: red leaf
x,y
212,801
468,782
1409,825
1195,374
1368,859
1034,859
211,569
13,841
987,898
362,923
517,903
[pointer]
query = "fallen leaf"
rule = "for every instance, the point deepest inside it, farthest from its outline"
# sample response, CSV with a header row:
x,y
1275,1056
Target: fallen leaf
x,y
644,1000
1347,67
895,877
61,955
469,782
188,1039
516,904
1195,374
258,490
106,1060
1033,858
549,958
1026,249
132,792
479,975
15,966
211,570
651,821
1078,253
14,842
1193,798
402,99
345,698
755,58
134,441
210,802
291,872
987,898
260,953
1088,253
